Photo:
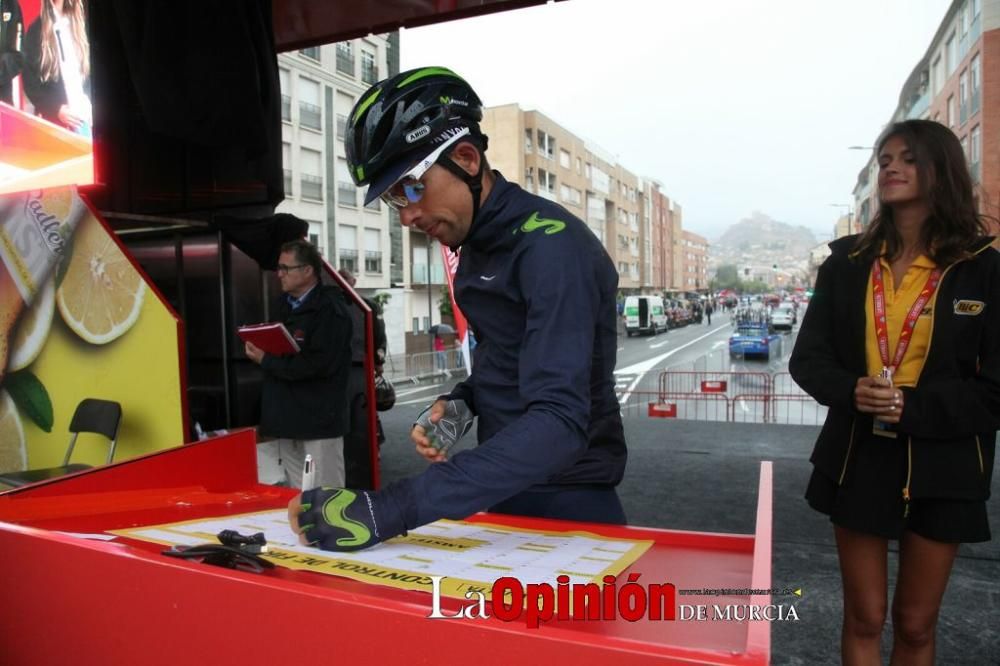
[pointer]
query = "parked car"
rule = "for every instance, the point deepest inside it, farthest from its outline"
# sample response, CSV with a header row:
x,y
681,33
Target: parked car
x,y
754,339
783,318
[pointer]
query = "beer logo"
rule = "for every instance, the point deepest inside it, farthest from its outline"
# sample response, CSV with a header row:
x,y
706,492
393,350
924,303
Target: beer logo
x,y
968,308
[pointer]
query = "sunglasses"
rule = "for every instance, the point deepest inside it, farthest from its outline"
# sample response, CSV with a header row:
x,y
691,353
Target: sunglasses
x,y
408,189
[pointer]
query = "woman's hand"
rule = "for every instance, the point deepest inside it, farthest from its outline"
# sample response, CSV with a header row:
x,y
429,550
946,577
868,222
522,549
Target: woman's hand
x,y
878,397
69,119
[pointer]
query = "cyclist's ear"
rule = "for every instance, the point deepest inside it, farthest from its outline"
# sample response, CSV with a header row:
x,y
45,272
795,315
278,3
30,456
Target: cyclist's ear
x,y
467,156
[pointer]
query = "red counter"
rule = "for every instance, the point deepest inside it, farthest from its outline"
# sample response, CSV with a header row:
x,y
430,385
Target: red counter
x,y
69,599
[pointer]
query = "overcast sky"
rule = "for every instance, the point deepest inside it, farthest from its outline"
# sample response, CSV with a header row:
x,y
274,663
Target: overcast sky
x,y
735,106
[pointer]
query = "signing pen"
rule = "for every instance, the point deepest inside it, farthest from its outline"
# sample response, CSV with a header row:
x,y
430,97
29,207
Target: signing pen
x,y
308,473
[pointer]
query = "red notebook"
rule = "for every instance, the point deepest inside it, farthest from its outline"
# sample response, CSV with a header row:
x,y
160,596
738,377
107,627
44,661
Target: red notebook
x,y
273,339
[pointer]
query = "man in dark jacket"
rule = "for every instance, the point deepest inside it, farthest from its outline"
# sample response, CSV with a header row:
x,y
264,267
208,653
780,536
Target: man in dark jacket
x,y
539,290
304,396
11,58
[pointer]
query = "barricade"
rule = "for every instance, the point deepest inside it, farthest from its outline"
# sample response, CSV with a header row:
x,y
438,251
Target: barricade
x,y
725,382
693,406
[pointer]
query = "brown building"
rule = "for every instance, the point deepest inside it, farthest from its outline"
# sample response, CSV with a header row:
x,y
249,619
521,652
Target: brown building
x,y
956,83
693,261
627,214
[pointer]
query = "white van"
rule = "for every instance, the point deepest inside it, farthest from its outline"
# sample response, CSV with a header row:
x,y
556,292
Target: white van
x,y
644,314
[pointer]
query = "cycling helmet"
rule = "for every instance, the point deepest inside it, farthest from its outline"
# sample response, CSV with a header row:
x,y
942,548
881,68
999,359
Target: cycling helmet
x,y
401,120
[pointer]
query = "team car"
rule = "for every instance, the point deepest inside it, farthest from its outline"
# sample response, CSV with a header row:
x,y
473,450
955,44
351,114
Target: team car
x,y
754,339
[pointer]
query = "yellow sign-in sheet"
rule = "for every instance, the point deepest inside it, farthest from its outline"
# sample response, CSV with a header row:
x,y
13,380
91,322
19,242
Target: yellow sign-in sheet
x,y
467,557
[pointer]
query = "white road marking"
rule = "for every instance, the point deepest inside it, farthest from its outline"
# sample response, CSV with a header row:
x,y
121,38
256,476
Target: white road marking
x,y
644,367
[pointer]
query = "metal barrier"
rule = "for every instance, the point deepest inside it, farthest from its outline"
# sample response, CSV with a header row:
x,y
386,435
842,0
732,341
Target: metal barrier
x,y
424,364
726,382
694,406
748,397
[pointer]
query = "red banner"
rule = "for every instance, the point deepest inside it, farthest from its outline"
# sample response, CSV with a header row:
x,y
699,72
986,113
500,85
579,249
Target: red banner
x,y
461,326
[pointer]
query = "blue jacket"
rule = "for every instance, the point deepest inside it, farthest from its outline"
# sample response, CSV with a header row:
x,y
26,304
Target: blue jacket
x,y
538,289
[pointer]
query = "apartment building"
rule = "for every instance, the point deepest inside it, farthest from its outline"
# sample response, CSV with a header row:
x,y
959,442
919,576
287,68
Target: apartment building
x,y
693,261
633,219
658,238
956,83
319,86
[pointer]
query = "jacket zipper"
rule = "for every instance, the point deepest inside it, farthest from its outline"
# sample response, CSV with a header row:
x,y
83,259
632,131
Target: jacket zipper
x,y
850,445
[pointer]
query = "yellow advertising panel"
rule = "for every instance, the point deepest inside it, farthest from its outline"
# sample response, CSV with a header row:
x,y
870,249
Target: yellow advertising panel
x,y
79,320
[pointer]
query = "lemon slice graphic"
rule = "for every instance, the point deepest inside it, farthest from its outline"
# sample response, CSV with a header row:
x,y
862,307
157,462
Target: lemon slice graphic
x,y
102,293
13,457
33,329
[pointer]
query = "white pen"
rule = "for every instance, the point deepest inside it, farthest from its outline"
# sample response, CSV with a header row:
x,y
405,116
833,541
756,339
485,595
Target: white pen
x,y
308,473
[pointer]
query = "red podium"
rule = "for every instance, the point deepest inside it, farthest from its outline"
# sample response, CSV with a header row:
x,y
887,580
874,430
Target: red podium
x,y
69,598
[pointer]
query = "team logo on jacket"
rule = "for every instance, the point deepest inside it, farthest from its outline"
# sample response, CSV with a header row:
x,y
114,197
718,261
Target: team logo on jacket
x,y
969,308
534,223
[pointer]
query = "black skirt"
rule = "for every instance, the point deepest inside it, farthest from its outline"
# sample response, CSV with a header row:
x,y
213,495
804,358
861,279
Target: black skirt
x,y
870,499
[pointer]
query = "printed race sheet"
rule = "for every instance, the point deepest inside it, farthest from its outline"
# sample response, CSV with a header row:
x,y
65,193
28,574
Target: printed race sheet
x,y
469,556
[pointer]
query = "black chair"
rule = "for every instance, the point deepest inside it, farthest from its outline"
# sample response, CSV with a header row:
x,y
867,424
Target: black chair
x,y
101,417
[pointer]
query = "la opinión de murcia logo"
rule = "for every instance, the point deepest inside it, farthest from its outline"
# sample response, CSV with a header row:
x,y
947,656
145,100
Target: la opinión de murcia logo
x,y
540,602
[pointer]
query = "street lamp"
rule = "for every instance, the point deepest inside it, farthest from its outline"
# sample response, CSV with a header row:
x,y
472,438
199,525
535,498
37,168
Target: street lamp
x,y
861,147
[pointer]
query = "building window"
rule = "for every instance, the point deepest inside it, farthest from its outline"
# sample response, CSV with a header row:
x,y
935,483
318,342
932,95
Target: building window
x,y
527,141
288,182
345,58
369,70
975,75
937,76
373,251
341,125
310,180
565,161
951,54
310,114
951,111
347,247
311,52
975,150
286,98
347,194
963,97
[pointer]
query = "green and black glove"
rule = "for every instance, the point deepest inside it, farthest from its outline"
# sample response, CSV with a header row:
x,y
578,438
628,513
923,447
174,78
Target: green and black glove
x,y
346,520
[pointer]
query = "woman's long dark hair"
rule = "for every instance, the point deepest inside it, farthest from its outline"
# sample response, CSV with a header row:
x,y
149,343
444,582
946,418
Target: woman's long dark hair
x,y
953,225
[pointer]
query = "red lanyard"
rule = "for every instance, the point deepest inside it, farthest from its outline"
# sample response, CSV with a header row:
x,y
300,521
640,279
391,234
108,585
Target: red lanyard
x,y
881,331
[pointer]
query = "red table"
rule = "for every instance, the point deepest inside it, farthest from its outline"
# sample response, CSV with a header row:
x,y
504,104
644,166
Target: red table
x,y
69,599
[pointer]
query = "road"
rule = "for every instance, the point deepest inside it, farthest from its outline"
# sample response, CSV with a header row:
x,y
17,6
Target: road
x,y
693,348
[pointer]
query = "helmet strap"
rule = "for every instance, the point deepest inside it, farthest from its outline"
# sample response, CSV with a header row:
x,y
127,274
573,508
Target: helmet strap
x,y
474,181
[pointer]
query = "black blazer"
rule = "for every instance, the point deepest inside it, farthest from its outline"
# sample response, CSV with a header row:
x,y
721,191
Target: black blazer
x,y
952,414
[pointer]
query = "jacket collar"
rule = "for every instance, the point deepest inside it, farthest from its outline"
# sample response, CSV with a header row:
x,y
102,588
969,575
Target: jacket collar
x,y
493,219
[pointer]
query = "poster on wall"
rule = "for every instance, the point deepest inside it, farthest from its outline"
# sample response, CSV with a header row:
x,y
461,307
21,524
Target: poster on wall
x,y
79,320
46,116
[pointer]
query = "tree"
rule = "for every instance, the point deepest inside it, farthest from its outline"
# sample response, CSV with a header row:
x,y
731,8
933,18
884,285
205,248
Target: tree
x,y
726,277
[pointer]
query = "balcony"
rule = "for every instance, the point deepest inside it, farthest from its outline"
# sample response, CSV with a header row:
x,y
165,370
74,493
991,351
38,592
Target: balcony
x,y
348,259
286,108
311,187
919,106
369,73
345,63
347,194
419,274
976,100
288,182
310,115
975,171
373,262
